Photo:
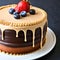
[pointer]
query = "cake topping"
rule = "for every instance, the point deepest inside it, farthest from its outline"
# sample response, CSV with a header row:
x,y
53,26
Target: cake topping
x,y
32,11
17,16
15,13
23,13
22,8
11,10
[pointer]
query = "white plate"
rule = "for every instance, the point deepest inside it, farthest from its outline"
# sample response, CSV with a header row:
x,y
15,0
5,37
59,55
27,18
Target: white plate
x,y
49,45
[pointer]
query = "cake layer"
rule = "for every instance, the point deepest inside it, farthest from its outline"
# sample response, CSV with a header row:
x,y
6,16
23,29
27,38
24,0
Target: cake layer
x,y
21,50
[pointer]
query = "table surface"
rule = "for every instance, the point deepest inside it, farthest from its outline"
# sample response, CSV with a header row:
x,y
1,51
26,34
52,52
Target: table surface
x,y
52,7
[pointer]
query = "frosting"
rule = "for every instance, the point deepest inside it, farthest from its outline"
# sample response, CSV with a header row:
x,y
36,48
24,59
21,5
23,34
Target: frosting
x,y
25,36
41,36
31,19
33,37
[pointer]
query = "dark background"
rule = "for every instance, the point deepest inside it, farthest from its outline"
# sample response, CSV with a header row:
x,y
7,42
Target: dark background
x,y
52,7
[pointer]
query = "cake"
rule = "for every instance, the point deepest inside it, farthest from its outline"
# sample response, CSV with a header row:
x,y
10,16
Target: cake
x,y
23,35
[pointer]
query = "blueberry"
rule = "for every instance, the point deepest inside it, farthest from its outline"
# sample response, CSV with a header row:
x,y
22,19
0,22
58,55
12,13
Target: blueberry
x,y
15,13
32,11
23,13
11,10
17,16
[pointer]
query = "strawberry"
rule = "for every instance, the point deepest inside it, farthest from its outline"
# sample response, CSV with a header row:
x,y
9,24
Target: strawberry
x,y
22,6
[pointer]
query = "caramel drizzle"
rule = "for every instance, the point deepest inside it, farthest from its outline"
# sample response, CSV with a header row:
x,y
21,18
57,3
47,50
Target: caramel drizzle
x,y
2,30
16,33
41,37
17,30
33,38
25,36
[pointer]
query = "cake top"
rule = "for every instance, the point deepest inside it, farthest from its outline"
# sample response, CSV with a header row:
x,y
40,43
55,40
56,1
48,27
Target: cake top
x,y
8,19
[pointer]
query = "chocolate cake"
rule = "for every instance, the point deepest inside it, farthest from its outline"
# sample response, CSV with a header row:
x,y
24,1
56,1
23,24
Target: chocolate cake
x,y
23,34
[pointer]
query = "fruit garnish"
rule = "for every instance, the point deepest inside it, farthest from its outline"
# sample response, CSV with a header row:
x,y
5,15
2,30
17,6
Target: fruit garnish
x,y
17,16
15,13
23,6
23,13
11,10
32,11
